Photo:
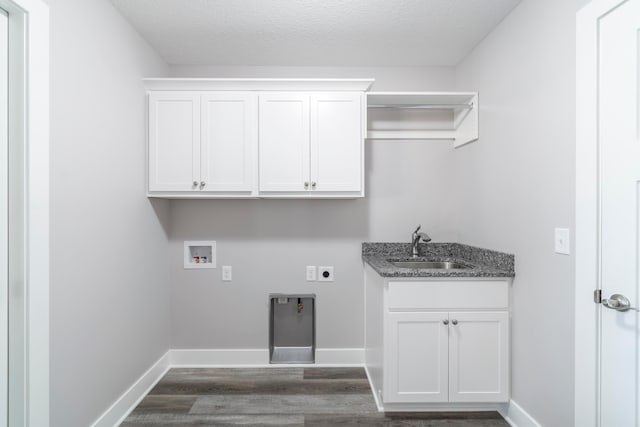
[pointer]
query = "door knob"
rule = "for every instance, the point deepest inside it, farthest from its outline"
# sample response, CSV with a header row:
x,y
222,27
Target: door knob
x,y
202,184
454,322
445,321
313,185
195,183
306,185
618,302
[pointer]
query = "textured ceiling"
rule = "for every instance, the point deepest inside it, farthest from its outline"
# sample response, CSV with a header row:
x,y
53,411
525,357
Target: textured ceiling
x,y
314,32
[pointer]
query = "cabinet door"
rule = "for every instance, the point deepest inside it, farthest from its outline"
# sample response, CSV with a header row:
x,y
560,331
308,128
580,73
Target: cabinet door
x,y
479,356
284,142
415,362
174,141
337,143
228,141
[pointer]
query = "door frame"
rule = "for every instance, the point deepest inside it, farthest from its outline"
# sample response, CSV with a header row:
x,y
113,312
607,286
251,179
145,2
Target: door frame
x,y
587,236
29,203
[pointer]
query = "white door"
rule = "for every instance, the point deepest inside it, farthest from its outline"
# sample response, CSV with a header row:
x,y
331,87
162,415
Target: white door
x,y
284,142
337,141
174,141
415,358
619,197
479,356
229,139
4,221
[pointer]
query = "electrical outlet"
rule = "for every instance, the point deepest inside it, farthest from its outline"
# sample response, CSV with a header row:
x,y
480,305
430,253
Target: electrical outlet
x,y
226,273
562,241
325,274
311,273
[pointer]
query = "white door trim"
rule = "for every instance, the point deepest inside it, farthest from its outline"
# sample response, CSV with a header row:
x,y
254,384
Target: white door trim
x,y
4,221
586,410
29,135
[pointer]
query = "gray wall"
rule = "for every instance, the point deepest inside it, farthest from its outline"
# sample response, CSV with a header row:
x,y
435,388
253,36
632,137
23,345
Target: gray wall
x,y
109,283
517,183
269,242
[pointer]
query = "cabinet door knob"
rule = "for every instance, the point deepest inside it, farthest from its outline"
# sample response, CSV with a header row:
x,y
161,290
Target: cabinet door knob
x,y
195,183
313,185
202,184
454,322
445,321
306,185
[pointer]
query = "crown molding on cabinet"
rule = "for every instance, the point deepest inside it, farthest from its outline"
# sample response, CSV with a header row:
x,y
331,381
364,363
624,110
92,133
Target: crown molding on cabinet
x,y
306,85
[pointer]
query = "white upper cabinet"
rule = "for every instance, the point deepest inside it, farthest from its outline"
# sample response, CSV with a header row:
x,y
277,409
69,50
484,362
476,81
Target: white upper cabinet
x,y
202,143
337,142
284,142
174,141
228,141
311,144
247,138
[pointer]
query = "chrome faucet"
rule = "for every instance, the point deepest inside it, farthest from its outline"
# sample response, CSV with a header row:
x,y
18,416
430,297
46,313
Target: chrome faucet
x,y
415,239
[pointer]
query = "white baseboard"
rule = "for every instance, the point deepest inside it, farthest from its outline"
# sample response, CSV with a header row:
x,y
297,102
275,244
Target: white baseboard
x,y
516,416
130,398
260,357
376,398
216,357
340,356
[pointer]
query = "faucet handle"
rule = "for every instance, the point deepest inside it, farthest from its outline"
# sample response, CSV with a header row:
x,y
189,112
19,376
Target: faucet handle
x,y
418,229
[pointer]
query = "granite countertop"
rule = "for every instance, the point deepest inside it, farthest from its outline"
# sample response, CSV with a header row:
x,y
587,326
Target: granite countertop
x,y
483,262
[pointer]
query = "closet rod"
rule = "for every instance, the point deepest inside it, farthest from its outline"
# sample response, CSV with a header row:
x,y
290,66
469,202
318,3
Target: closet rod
x,y
423,106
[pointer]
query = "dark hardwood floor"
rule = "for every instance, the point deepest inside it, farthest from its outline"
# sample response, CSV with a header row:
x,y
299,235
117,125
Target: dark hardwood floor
x,y
280,397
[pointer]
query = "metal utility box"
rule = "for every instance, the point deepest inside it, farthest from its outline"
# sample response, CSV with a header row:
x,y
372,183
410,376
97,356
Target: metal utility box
x,y
292,329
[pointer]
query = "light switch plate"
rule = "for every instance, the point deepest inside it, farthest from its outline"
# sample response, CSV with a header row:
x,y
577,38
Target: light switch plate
x,y
562,241
311,273
226,273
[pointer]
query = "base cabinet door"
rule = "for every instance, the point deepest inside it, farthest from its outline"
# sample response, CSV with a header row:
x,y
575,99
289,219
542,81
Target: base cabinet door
x,y
479,356
416,353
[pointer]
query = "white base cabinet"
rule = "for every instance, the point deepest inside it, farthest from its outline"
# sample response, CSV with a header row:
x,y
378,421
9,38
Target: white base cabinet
x,y
444,344
447,357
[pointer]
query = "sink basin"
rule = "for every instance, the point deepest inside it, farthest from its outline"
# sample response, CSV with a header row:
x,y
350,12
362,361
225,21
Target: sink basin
x,y
441,265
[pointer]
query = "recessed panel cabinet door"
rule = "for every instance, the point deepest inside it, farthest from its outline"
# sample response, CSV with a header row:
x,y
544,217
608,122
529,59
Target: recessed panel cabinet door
x,y
228,141
174,141
479,356
284,142
415,359
336,141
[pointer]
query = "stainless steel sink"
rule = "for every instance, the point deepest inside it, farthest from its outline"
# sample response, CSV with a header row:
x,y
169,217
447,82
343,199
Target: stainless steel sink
x,y
441,265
